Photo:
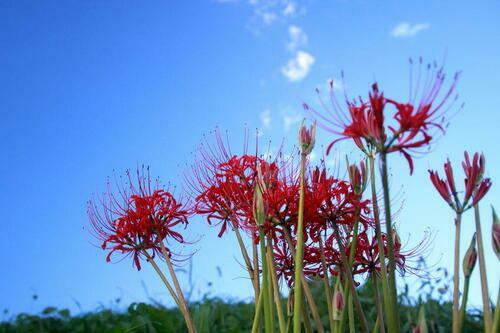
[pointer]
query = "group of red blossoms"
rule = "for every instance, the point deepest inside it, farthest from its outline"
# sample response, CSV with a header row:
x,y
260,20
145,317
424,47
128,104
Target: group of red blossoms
x,y
143,216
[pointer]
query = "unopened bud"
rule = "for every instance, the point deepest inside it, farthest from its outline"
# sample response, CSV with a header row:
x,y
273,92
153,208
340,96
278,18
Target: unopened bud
x,y
307,138
495,234
396,241
338,302
470,258
358,177
422,325
259,208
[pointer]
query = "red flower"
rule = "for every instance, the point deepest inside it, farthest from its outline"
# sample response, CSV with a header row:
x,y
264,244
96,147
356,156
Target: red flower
x,y
411,125
476,186
137,218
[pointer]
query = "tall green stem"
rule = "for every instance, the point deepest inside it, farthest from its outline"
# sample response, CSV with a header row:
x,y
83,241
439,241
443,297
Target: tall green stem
x,y
326,281
350,280
180,294
265,284
394,325
275,286
496,318
378,234
464,303
482,270
456,275
378,300
299,253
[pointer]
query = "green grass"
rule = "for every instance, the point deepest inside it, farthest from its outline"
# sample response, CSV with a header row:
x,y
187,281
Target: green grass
x,y
217,315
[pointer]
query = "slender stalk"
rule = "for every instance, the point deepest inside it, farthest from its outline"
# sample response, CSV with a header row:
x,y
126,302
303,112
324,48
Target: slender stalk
x,y
377,325
307,322
276,290
299,253
394,327
246,258
255,253
163,278
456,276
265,284
463,307
187,317
496,319
378,300
258,311
305,286
350,312
488,324
180,294
378,233
350,281
326,282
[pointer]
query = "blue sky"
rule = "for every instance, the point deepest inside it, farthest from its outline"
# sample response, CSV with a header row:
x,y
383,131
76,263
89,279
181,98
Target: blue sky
x,y
88,87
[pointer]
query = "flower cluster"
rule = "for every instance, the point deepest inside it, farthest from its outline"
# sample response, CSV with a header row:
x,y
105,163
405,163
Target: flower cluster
x,y
136,219
413,123
476,186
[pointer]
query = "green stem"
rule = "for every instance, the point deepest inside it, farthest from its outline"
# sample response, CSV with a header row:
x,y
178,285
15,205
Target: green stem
x,y
180,294
246,258
456,276
299,253
275,287
326,282
378,300
258,311
350,311
305,286
488,324
265,283
464,303
350,280
496,319
307,322
378,233
394,327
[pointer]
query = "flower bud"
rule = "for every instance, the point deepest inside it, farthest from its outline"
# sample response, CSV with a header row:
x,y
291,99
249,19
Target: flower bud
x,y
259,207
307,138
358,177
422,325
396,241
338,302
470,258
495,234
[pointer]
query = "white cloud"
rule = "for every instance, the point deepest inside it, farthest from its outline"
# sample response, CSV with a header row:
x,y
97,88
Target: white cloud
x,y
265,118
297,37
405,29
298,67
290,120
267,12
290,9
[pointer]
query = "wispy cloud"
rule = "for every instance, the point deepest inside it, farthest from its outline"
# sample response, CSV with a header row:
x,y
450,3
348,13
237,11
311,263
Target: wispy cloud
x,y
298,67
290,119
405,29
267,12
265,118
298,37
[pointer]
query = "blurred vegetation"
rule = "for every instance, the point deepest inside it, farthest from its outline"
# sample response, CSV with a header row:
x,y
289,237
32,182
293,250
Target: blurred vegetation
x,y
216,315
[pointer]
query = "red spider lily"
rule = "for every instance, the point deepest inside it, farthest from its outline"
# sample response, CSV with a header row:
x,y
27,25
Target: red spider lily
x,y
367,256
136,219
330,200
224,187
413,122
476,186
